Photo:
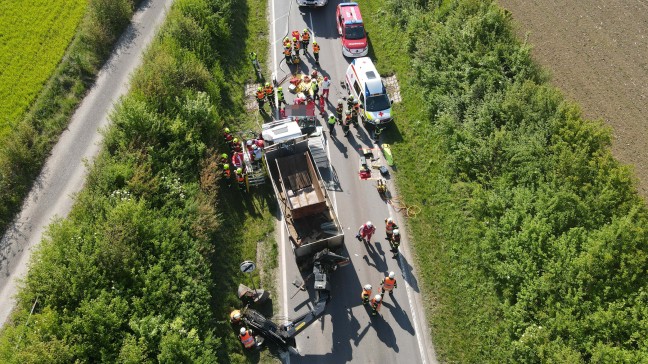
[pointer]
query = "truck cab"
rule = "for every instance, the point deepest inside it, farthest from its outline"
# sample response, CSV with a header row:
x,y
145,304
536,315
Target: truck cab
x,y
364,83
351,29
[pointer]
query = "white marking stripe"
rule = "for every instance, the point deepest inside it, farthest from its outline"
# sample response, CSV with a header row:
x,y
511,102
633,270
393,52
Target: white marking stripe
x,y
417,329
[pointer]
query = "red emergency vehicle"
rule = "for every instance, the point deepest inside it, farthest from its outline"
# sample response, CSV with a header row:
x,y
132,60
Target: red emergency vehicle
x,y
351,29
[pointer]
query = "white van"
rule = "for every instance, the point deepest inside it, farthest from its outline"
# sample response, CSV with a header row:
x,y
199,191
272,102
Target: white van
x,y
365,84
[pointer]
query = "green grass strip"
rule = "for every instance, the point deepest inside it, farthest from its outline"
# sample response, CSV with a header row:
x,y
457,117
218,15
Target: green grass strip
x,y
35,35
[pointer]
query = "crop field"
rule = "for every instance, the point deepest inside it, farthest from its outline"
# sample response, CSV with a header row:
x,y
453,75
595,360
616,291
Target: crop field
x,y
33,38
597,55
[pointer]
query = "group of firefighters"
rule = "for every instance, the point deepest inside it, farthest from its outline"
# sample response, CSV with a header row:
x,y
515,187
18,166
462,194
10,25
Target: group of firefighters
x,y
245,335
299,41
345,116
388,283
254,148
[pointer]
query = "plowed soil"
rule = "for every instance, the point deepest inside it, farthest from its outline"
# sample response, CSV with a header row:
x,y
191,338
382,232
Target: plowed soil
x,y
597,53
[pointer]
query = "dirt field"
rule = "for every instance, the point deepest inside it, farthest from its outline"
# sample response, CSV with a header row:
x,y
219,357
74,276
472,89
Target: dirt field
x,y
597,53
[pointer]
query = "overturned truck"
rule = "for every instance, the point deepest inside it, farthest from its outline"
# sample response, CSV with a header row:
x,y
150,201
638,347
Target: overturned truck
x,y
309,214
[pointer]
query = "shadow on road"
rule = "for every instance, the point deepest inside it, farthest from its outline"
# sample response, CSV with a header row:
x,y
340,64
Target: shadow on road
x,y
408,275
398,314
377,255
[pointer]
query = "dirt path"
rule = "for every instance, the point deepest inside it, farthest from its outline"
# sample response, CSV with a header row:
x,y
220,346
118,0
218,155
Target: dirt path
x,y
597,52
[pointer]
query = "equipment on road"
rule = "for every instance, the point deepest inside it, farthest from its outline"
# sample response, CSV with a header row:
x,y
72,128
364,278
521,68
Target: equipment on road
x,y
250,296
283,335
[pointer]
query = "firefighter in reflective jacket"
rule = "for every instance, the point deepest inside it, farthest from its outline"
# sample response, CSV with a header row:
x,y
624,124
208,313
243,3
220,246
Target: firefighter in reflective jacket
x,y
296,46
366,294
280,96
260,96
246,338
305,40
240,178
350,102
227,175
331,122
235,317
339,109
227,136
269,92
286,43
376,302
394,242
390,225
316,50
235,146
287,55
388,284
348,119
224,159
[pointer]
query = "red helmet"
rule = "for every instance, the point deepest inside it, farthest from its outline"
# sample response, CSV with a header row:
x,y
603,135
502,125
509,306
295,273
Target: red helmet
x,y
325,78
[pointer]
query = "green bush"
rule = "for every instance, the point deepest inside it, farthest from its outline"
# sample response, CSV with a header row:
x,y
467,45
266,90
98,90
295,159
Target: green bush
x,y
538,250
129,275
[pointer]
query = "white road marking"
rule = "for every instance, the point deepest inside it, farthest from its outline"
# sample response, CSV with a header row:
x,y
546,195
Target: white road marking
x,y
284,273
274,56
417,329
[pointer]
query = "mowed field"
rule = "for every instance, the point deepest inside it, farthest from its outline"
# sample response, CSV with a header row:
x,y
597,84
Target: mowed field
x,y
597,53
33,37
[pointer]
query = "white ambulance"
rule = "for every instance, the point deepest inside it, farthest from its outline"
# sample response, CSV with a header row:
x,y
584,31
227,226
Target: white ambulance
x,y
364,83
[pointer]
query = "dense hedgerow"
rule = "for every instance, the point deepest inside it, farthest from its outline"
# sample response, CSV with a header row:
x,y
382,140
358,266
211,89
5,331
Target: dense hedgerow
x,y
540,247
128,276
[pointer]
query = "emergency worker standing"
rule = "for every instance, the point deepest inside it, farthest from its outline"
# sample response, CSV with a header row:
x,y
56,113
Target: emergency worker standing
x,y
388,284
305,40
390,225
246,338
394,243
339,109
260,96
366,231
240,179
280,96
366,294
331,122
316,50
376,302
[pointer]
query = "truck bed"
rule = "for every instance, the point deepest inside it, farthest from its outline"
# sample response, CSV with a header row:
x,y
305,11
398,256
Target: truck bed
x,y
309,214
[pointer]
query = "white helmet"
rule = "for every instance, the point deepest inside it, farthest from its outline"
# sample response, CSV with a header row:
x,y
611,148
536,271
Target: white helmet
x,y
249,142
378,298
367,287
237,315
396,232
243,331
392,275
390,220
369,224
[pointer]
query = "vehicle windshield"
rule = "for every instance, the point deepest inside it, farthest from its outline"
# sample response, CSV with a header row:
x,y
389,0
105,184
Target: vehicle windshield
x,y
354,32
378,103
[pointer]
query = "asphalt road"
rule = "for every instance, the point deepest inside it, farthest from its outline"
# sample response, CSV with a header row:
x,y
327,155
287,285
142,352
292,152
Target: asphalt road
x,y
347,332
64,172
